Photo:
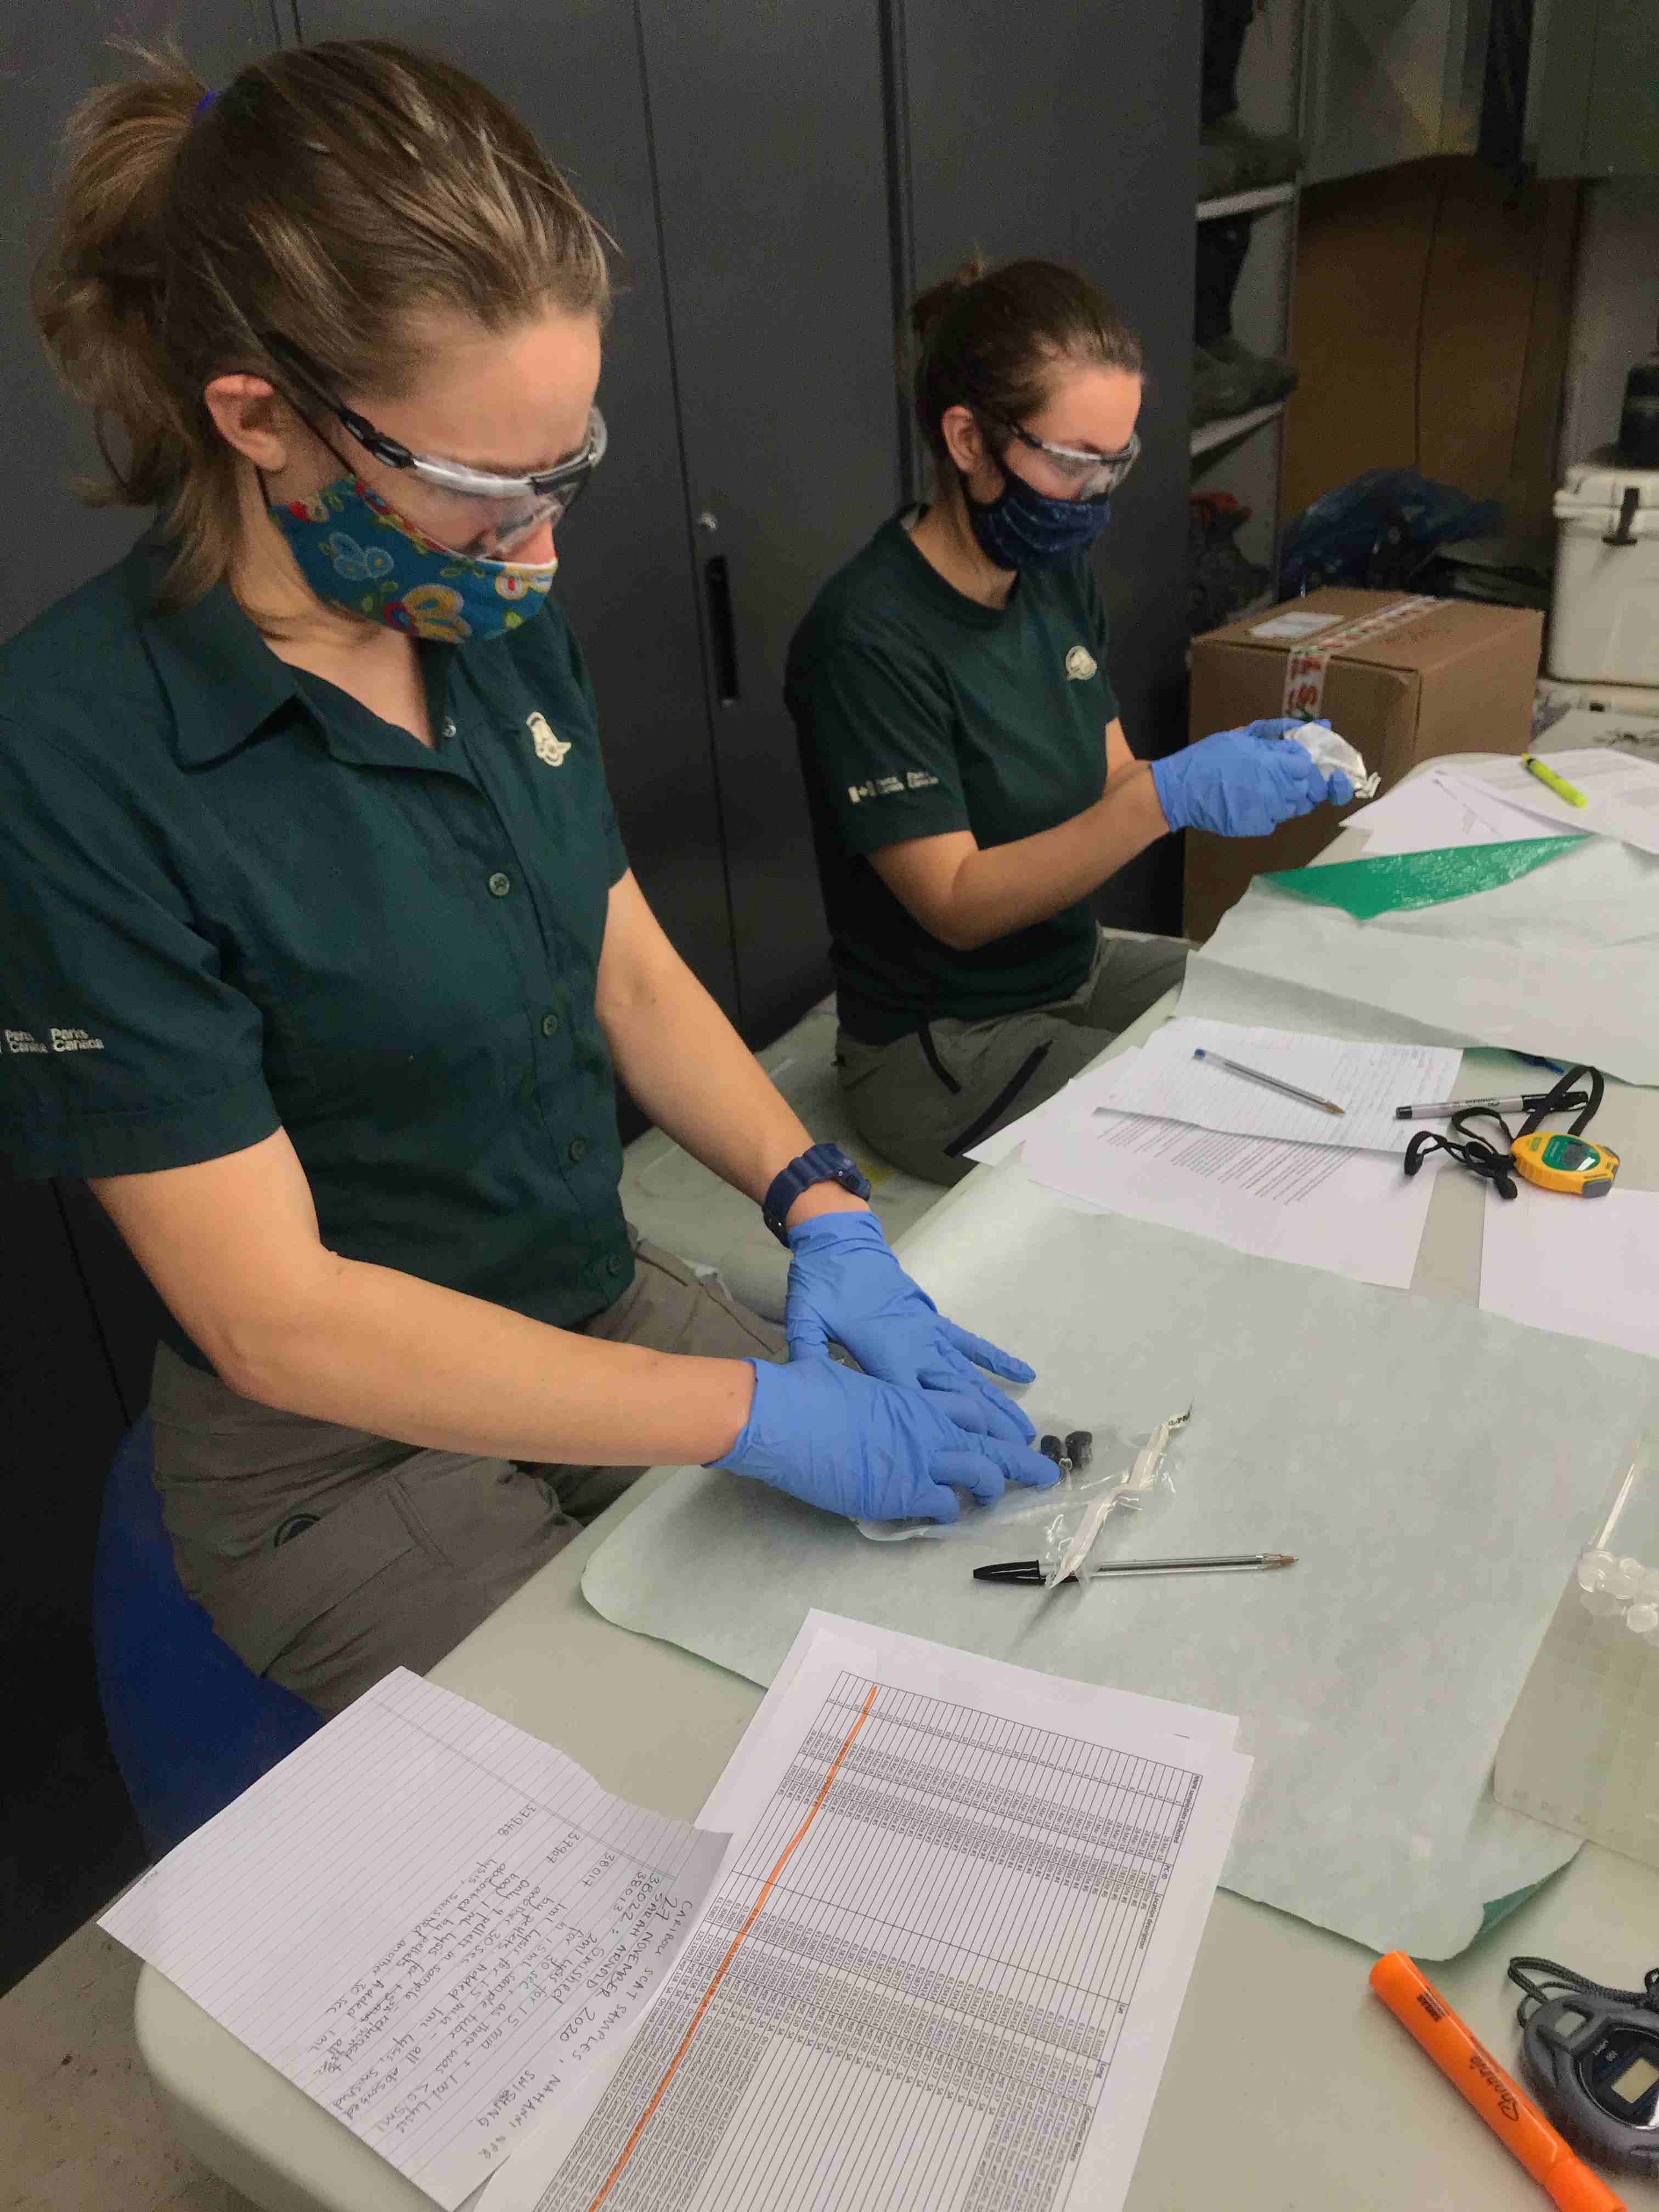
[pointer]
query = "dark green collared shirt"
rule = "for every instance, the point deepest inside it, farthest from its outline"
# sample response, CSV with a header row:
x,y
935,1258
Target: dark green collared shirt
x,y
232,898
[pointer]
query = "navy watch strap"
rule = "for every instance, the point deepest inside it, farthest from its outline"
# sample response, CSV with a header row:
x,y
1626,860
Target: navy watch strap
x,y
818,1164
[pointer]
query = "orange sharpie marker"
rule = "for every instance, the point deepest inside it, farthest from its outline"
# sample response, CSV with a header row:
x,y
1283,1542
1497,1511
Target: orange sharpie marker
x,y
1470,2067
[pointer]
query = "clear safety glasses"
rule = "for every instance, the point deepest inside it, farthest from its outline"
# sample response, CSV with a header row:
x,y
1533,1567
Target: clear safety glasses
x,y
529,500
1094,474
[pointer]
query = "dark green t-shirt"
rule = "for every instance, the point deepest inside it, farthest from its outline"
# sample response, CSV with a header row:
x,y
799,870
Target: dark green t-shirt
x,y
233,899
919,712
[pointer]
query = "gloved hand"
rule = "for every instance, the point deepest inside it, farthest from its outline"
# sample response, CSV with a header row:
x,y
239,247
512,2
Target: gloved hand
x,y
1242,783
845,1285
868,1448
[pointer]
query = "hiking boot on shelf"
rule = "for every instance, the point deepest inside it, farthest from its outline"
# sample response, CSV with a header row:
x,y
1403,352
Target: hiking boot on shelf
x,y
1232,159
1219,389
1227,368
1220,582
1268,375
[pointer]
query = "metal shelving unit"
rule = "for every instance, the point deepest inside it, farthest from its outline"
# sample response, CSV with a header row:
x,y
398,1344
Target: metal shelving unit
x,y
1227,428
1252,203
1243,455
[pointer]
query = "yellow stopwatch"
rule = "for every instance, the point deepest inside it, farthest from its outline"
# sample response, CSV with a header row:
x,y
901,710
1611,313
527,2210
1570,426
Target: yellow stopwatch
x,y
1563,1160
1572,1164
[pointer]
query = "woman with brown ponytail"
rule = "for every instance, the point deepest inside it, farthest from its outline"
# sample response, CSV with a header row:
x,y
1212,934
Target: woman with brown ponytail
x,y
321,942
970,781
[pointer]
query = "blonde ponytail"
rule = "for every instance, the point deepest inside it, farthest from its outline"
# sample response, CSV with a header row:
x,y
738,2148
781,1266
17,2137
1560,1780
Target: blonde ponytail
x,y
99,292
324,196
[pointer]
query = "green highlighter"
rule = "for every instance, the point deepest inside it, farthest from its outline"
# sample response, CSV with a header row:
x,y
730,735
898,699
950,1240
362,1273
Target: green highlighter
x,y
1558,784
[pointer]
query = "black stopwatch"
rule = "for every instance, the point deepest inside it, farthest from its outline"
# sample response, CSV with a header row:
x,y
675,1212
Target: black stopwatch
x,y
1591,2056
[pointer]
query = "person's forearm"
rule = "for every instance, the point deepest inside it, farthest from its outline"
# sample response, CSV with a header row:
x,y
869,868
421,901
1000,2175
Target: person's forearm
x,y
692,1073
1008,887
375,1349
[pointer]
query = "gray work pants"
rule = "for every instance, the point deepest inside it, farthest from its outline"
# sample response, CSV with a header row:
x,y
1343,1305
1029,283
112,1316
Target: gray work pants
x,y
325,1556
921,1101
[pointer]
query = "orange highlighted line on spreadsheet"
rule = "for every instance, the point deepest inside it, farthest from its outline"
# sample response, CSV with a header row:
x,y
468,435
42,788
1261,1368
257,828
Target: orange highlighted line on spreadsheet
x,y
718,1974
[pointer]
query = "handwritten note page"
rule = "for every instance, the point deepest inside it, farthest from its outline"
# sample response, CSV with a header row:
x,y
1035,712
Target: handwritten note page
x,y
430,1922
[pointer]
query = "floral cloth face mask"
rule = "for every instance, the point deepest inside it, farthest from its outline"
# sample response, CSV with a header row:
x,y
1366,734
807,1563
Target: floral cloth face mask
x,y
357,552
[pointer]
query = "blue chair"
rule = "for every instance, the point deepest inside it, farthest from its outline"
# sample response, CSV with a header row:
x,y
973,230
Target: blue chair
x,y
190,1724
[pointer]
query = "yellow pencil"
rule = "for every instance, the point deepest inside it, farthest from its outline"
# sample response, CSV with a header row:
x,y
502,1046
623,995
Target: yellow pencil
x,y
1558,784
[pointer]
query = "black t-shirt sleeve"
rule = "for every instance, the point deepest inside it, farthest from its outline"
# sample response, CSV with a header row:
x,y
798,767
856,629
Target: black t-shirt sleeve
x,y
123,1047
878,728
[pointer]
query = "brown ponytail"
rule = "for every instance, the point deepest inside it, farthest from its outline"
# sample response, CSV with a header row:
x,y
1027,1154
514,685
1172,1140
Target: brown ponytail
x,y
327,194
988,339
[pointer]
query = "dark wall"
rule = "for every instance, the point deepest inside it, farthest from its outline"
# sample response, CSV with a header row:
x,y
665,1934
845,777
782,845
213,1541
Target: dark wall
x,y
68,1840
1071,133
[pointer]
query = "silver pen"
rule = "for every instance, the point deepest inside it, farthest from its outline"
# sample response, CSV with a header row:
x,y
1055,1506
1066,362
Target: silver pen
x,y
1254,1075
1437,1107
1247,1560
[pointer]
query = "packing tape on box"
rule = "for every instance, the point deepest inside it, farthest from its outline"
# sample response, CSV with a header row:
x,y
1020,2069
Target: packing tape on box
x,y
1395,881
1305,665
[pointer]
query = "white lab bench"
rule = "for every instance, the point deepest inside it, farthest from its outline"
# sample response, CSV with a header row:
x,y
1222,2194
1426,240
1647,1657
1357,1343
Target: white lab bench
x,y
1288,2084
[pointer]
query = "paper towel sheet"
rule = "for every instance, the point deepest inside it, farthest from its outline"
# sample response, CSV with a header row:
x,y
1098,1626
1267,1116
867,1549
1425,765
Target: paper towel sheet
x,y
1431,1466
1565,963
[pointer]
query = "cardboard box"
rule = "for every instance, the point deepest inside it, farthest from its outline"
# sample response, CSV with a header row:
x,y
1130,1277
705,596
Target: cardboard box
x,y
1404,679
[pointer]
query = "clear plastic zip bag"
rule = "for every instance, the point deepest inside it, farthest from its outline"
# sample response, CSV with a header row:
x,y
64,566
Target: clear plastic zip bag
x,y
1330,752
1074,1530
1109,1472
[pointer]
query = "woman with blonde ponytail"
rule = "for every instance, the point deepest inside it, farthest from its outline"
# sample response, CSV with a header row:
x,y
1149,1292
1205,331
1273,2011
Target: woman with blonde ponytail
x,y
322,943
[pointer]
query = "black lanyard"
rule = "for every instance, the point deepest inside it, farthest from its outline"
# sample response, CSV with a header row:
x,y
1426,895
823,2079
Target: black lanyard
x,y
1481,1157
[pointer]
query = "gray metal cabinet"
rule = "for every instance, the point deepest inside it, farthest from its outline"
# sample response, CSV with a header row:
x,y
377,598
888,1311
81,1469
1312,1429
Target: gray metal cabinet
x,y
768,130
625,575
1071,133
1593,101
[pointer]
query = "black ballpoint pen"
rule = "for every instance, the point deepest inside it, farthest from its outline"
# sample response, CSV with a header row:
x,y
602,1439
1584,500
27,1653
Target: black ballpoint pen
x,y
1026,1571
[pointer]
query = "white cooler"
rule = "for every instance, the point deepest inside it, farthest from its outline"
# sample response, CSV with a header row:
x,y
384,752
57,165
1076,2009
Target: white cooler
x,y
1604,621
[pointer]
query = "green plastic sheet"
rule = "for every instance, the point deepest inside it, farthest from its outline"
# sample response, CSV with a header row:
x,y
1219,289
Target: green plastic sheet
x,y
1395,881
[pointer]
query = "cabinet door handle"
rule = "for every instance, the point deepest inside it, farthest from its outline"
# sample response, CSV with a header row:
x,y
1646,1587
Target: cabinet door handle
x,y
722,634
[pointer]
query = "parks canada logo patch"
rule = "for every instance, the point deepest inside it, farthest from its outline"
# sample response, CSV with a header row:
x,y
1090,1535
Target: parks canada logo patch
x,y
549,747
1081,664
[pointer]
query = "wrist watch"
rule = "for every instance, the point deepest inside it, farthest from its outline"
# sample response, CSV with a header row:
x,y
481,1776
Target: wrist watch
x,y
818,1164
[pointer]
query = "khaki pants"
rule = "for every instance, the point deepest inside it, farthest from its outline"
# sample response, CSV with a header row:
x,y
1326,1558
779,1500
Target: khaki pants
x,y
325,1556
923,1101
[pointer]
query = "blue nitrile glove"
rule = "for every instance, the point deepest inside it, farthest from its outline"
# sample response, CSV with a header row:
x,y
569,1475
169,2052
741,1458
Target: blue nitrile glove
x,y
845,1286
1242,783
870,1449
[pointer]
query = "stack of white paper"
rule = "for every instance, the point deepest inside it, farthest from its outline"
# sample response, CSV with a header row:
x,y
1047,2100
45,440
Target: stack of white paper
x,y
1440,809
1621,795
1368,1080
1353,1213
943,1965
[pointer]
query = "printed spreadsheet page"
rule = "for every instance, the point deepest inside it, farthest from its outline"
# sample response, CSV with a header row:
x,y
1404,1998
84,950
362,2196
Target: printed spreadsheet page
x,y
942,1963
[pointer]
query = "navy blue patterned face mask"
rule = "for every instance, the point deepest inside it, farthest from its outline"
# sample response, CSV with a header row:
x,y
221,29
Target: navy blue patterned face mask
x,y
1021,528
